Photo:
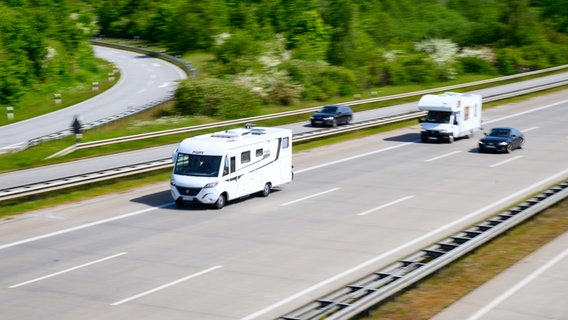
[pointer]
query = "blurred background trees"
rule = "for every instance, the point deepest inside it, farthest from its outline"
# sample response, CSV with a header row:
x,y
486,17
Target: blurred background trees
x,y
284,51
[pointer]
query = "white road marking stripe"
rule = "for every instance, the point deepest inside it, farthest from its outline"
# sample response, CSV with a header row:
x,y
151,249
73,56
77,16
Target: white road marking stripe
x,y
67,270
145,293
443,156
505,161
529,129
415,241
355,157
84,226
519,285
309,197
385,205
528,111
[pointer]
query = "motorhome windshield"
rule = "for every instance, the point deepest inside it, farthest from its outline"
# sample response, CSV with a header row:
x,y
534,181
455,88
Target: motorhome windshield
x,y
197,165
438,117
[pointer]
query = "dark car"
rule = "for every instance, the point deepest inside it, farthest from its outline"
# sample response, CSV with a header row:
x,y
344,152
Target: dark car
x,y
332,115
501,140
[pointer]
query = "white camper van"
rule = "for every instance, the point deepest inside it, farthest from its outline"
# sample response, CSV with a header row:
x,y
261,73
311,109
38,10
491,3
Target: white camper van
x,y
215,168
450,115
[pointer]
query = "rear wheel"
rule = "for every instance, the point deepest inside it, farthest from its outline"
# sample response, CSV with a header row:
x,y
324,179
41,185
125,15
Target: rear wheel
x,y
220,203
266,190
509,148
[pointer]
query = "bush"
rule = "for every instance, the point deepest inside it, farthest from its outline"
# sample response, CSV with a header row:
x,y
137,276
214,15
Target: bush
x,y
475,65
215,98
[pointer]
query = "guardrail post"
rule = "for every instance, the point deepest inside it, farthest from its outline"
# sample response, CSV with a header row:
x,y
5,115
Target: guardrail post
x,y
10,112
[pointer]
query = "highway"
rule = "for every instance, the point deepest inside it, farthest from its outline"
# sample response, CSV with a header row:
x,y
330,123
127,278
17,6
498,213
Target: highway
x,y
143,79
353,207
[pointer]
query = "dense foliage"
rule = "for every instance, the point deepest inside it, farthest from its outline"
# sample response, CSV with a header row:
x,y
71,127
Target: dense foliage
x,y
283,51
41,43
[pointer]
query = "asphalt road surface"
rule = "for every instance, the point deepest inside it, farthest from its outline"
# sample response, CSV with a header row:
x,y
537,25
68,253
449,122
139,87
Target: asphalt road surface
x,y
352,208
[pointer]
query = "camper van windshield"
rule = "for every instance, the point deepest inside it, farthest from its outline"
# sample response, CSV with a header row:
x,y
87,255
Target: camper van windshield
x,y
438,117
197,165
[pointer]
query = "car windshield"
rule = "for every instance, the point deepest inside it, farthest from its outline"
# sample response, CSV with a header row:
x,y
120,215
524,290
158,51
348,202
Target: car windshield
x,y
499,132
197,165
438,117
329,109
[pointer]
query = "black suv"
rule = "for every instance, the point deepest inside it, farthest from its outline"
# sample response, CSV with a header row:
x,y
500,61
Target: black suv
x,y
332,115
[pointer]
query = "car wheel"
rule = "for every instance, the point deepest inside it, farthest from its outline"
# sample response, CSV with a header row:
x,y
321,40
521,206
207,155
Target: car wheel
x,y
266,190
509,148
521,143
220,203
180,202
334,123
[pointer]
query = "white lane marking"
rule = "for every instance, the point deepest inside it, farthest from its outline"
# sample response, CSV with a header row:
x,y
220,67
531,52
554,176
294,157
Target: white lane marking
x,y
415,241
443,156
145,293
67,270
355,157
528,111
519,285
529,129
83,226
385,205
505,161
309,197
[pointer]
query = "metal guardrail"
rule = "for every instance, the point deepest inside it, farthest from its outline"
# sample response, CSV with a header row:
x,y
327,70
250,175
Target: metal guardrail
x,y
186,67
162,133
82,179
367,292
68,182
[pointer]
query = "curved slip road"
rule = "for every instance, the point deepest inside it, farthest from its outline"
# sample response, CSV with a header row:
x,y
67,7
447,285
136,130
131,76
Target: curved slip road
x,y
143,80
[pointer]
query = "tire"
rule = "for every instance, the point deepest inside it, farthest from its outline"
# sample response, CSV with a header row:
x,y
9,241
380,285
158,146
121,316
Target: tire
x,y
334,123
180,202
220,203
266,190
509,148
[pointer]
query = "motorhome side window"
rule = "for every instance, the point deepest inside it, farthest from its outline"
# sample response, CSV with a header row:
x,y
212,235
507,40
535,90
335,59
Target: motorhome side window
x,y
197,165
285,142
229,165
259,152
245,157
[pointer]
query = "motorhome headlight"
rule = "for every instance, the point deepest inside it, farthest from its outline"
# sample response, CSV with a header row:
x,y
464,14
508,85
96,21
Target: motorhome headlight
x,y
172,181
211,185
504,143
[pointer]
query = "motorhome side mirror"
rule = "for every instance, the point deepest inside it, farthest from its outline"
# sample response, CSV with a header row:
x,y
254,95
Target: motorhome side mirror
x,y
174,154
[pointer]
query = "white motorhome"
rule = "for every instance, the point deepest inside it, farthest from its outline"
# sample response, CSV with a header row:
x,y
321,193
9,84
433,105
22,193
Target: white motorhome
x,y
219,167
450,115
